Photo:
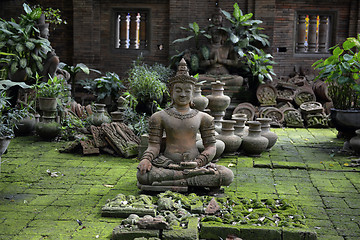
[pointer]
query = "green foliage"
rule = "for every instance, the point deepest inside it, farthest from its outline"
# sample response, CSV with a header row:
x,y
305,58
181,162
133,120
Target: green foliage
x,y
70,125
260,65
53,88
53,16
20,45
10,116
74,70
245,34
109,85
146,84
341,72
136,122
195,33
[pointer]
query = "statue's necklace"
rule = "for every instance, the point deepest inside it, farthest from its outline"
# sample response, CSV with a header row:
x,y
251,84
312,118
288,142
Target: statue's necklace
x,y
174,113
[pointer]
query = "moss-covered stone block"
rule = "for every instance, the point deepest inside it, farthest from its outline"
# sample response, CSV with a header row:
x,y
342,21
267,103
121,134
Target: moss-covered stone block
x,y
216,230
253,232
189,233
120,233
298,234
289,165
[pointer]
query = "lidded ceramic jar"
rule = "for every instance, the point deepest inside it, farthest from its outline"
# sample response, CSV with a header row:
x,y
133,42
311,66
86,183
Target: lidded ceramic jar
x,y
232,141
265,132
200,101
355,142
254,144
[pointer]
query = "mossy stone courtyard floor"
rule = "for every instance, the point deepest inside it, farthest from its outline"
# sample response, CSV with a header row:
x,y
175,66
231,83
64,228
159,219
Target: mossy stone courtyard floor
x,y
305,166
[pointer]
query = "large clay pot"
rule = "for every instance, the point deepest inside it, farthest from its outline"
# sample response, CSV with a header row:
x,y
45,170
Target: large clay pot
x,y
355,142
346,121
99,116
25,126
47,104
239,127
218,102
4,143
200,102
220,147
265,132
48,129
232,141
254,144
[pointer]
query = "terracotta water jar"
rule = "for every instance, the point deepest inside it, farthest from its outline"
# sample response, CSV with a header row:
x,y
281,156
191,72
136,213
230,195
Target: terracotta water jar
x,y
200,101
232,141
99,116
220,147
218,102
254,144
265,132
355,142
240,126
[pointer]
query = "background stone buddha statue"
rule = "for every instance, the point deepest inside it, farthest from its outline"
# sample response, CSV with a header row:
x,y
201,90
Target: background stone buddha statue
x,y
181,165
221,57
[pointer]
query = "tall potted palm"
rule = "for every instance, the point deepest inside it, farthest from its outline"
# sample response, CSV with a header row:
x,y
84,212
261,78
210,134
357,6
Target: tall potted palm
x,y
341,72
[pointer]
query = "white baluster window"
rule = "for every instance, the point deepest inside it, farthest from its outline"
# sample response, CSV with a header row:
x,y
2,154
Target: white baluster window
x,y
131,29
313,32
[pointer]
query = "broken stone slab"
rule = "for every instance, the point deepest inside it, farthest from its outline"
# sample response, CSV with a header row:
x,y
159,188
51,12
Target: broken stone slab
x,y
188,233
213,207
122,233
149,222
122,212
120,139
98,135
88,147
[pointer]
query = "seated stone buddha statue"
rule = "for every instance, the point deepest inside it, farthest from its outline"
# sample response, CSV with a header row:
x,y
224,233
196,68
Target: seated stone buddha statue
x,y
221,56
181,165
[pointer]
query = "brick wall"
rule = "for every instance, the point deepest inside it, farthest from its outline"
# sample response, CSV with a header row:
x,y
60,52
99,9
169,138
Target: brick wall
x,y
89,38
284,30
94,34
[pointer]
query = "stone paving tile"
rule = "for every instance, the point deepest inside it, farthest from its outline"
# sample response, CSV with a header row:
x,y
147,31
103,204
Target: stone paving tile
x,y
305,166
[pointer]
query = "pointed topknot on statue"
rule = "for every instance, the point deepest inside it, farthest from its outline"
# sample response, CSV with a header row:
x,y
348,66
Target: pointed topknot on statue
x,y
182,74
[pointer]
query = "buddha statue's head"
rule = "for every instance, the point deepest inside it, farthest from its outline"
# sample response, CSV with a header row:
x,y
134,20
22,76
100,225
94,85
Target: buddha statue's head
x,y
182,80
217,18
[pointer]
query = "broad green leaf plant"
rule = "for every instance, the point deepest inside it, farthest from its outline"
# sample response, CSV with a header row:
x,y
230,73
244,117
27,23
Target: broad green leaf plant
x,y
341,71
21,46
245,34
74,70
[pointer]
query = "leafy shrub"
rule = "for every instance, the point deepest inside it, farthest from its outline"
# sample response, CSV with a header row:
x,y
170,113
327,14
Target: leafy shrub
x,y
109,85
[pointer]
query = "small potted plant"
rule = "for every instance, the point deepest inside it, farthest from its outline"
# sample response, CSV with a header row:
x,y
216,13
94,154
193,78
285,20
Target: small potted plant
x,y
341,72
147,87
48,93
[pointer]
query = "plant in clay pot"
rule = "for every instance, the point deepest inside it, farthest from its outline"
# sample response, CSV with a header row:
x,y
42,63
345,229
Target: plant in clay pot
x,y
341,73
147,86
49,91
23,47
